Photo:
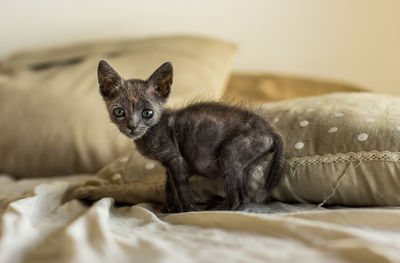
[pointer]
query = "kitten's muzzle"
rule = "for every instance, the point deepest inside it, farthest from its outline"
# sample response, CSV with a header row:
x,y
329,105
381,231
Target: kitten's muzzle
x,y
131,128
132,132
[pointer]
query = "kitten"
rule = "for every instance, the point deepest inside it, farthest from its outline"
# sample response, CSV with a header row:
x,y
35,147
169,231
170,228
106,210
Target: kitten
x,y
208,139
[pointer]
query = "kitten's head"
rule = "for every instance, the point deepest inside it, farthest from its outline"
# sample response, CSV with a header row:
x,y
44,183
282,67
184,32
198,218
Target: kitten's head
x,y
135,105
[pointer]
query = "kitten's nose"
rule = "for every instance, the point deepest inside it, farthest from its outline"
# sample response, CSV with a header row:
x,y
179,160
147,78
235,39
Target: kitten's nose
x,y
132,124
131,127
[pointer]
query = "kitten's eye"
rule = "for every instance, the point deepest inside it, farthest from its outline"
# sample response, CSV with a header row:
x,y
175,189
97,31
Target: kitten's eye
x,y
118,112
147,113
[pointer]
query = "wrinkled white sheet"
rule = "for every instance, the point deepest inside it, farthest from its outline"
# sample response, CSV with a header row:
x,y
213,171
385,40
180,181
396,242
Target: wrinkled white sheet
x,y
36,226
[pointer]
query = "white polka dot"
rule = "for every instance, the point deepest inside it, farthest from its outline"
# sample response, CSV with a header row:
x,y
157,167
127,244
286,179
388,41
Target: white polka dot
x,y
362,137
310,110
299,145
370,120
275,120
150,166
398,128
304,123
124,159
333,129
338,114
116,177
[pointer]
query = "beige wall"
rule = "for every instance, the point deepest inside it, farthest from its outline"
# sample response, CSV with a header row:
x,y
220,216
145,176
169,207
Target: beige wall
x,y
349,40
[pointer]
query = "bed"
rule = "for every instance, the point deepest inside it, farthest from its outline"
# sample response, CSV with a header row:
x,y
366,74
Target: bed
x,y
72,193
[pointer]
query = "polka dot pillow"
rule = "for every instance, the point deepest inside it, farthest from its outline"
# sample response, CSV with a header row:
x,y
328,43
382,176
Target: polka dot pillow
x,y
341,149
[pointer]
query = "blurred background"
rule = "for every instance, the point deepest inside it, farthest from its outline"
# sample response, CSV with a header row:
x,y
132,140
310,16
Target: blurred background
x,y
356,41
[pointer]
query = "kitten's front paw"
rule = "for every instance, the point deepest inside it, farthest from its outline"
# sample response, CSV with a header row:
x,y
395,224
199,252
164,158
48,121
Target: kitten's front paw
x,y
166,208
227,206
176,209
192,209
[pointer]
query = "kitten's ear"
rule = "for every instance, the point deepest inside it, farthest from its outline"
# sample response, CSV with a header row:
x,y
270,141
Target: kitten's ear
x,y
109,80
161,80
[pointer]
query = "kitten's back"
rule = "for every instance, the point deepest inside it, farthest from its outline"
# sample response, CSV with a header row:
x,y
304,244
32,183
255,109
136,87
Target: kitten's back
x,y
202,129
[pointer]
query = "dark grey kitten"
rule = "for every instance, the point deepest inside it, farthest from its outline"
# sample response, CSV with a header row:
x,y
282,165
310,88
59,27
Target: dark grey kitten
x,y
208,139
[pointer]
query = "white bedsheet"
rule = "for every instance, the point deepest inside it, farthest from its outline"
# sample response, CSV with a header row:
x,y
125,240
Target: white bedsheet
x,y
36,226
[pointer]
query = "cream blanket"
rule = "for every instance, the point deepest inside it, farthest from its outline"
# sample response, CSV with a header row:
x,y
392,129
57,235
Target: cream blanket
x,y
37,226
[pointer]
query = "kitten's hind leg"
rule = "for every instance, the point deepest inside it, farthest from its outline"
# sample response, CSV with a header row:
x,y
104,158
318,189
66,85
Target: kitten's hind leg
x,y
231,164
235,160
269,148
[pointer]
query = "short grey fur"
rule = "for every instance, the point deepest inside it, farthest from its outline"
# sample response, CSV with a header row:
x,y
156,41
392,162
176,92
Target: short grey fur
x,y
209,139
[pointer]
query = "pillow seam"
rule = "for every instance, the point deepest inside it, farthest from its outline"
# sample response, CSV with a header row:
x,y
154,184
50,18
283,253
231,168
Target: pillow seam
x,y
344,157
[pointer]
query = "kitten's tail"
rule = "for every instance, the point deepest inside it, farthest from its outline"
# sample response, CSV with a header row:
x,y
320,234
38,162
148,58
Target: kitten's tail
x,y
275,173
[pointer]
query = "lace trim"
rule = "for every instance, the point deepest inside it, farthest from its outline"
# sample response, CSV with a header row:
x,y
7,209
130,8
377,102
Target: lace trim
x,y
344,157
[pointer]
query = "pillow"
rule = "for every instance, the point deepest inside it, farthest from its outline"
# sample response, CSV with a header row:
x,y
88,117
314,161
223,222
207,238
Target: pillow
x,y
261,88
134,179
53,118
341,149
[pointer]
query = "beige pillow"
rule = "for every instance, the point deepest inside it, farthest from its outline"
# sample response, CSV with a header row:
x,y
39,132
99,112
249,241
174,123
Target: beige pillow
x,y
261,88
133,179
53,119
341,149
